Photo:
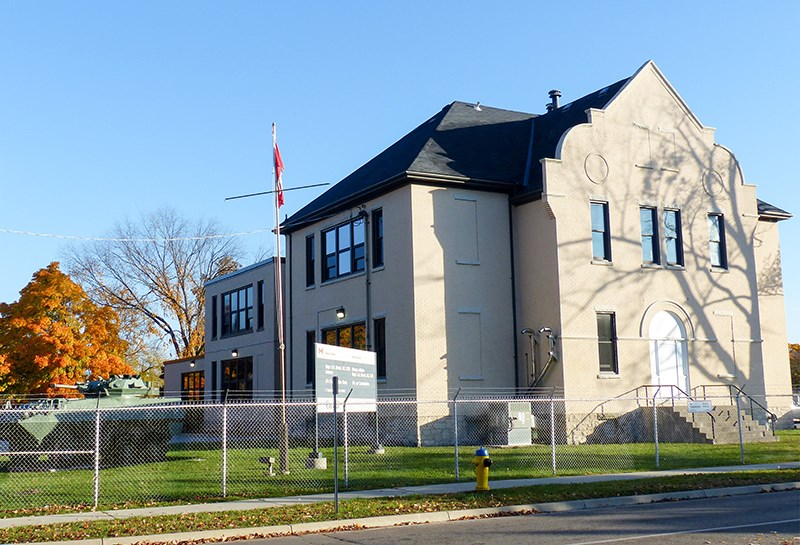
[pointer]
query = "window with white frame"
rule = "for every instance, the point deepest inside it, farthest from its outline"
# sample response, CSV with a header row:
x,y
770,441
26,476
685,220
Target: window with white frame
x,y
601,235
649,226
716,241
673,238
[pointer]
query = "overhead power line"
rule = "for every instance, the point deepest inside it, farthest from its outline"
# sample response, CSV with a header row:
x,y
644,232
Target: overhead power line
x,y
118,239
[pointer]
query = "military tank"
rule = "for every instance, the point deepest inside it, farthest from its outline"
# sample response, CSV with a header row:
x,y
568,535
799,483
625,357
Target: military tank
x,y
131,423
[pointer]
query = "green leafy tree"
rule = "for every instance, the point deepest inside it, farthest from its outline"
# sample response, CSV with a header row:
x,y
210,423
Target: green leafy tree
x,y
55,334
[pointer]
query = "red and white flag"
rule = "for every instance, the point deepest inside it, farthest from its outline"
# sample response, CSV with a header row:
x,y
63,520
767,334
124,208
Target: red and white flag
x,y
278,165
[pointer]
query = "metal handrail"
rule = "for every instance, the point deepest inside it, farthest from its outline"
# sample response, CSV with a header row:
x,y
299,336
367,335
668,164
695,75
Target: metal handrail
x,y
772,416
646,387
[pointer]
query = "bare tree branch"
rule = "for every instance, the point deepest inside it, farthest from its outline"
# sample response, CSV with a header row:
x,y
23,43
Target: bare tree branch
x,y
153,272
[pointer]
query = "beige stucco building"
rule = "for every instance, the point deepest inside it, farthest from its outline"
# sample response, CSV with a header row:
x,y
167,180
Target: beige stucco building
x,y
607,244
241,352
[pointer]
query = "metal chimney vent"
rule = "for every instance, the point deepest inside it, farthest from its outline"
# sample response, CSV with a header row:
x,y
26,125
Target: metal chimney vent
x,y
554,95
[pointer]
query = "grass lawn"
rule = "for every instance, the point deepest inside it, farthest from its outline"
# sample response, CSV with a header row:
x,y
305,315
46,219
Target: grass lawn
x,y
360,508
192,475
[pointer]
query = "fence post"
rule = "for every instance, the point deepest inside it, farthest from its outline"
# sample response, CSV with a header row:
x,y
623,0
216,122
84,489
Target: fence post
x,y
739,423
655,427
346,442
225,445
97,454
335,448
455,430
553,434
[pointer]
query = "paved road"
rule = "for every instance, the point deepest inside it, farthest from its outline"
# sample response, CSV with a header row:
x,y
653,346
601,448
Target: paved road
x,y
762,519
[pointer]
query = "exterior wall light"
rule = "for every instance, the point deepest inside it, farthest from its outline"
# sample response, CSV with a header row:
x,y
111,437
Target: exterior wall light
x,y
340,313
235,353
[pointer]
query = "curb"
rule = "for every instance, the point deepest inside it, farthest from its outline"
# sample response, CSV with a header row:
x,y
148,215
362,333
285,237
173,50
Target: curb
x,y
424,518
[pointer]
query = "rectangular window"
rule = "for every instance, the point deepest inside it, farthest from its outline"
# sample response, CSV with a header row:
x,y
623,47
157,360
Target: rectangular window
x,y
377,238
214,380
193,386
607,342
237,311
601,236
349,336
673,239
311,338
649,225
343,248
310,262
214,317
380,347
260,304
237,378
716,241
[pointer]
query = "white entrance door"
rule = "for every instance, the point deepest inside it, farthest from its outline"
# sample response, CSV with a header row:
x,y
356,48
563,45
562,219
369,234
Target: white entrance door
x,y
668,361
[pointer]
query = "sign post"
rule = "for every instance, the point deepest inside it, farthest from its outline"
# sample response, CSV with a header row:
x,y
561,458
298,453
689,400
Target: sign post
x,y
353,370
334,392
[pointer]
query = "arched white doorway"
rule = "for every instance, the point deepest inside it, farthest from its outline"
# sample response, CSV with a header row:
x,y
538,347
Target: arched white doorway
x,y
668,352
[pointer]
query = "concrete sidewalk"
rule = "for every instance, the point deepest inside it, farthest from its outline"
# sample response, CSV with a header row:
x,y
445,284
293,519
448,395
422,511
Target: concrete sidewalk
x,y
246,505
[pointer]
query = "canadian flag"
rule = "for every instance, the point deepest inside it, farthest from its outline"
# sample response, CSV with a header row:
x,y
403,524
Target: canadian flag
x,y
278,165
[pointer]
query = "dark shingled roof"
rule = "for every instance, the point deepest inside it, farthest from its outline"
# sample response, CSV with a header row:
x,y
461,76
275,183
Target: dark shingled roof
x,y
773,213
487,147
548,128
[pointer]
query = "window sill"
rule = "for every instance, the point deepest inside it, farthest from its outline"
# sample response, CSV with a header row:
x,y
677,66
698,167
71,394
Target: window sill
x,y
471,378
602,263
719,270
311,287
675,267
467,262
236,334
651,266
357,274
381,380
378,268
608,376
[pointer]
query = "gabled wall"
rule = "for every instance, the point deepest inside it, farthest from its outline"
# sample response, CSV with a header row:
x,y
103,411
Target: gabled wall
x,y
648,149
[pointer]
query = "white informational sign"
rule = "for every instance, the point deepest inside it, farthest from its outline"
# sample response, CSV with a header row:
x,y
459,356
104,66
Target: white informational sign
x,y
700,406
357,371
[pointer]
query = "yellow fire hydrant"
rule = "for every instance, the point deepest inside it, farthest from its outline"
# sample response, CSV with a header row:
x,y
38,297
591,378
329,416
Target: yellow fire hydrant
x,y
482,463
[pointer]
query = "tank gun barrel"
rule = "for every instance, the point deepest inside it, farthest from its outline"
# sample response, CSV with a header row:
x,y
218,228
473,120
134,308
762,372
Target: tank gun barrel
x,y
65,386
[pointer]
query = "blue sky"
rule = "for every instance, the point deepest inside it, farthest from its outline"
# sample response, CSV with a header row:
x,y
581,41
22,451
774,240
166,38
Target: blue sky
x,y
111,109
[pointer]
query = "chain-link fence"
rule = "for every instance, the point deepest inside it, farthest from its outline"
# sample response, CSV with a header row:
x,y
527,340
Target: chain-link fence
x,y
83,455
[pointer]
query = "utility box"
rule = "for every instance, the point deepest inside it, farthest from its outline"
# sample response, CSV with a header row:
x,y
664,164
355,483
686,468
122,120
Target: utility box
x,y
520,422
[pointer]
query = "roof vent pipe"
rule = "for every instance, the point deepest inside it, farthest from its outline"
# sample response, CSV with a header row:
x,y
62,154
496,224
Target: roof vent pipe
x,y
554,95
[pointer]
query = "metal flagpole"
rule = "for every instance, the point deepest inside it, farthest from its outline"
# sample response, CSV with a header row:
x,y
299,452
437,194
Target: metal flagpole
x,y
278,166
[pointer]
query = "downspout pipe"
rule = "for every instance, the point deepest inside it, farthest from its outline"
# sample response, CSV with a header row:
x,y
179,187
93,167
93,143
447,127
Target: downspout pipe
x,y
517,371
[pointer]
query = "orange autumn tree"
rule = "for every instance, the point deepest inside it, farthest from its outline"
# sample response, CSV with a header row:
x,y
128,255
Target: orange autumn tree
x,y
55,334
794,364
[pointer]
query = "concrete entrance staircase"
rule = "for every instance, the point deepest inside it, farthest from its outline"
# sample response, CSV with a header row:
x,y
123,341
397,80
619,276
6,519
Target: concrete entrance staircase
x,y
719,426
